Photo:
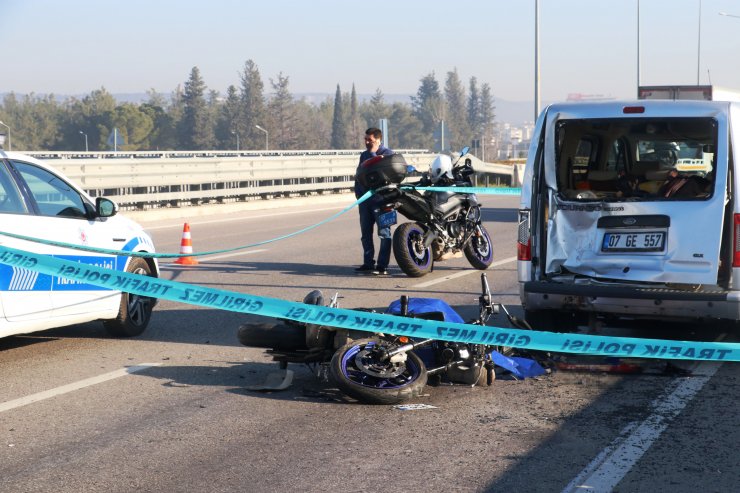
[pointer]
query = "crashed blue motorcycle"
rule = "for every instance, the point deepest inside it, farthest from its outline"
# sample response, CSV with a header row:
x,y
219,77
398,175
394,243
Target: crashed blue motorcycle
x,y
379,368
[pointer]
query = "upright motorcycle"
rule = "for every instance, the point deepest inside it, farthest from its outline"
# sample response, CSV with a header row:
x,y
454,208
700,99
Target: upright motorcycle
x,y
445,224
381,368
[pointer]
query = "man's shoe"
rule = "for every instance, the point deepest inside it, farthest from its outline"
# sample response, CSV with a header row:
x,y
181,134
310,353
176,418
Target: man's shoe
x,y
364,269
380,272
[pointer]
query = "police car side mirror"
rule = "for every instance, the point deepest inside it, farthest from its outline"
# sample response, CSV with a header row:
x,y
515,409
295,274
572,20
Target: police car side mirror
x,y
105,207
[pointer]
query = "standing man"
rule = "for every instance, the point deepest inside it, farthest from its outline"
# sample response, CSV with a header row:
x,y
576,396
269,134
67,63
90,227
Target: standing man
x,y
373,147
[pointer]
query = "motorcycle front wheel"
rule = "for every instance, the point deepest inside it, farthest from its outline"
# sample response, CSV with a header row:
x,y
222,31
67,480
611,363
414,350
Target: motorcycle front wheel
x,y
479,250
412,256
359,372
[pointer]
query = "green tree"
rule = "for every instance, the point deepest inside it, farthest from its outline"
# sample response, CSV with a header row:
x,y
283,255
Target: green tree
x,y
214,110
338,126
373,111
405,130
134,126
322,116
428,106
252,107
487,113
354,140
228,123
456,125
91,115
283,124
312,129
474,113
194,129
162,136
34,122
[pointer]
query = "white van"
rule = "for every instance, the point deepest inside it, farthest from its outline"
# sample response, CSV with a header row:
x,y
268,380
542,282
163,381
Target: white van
x,y
628,209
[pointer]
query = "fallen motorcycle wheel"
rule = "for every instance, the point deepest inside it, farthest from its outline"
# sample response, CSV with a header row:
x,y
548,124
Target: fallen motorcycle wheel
x,y
479,250
359,371
412,256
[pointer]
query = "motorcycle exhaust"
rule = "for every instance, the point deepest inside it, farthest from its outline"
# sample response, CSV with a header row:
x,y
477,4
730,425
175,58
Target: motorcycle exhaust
x,y
281,337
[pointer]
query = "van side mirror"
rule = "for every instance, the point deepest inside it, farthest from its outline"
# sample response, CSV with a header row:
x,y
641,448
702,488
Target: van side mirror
x,y
105,207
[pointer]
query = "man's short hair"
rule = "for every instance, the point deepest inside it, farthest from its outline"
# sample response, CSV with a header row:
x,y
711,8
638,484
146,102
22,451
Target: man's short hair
x,y
375,132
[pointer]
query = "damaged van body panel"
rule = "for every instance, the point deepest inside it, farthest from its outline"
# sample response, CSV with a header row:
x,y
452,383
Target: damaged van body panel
x,y
628,201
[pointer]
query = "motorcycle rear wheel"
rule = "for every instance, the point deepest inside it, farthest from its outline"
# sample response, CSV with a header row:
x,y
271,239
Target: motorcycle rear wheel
x,y
358,373
479,250
408,247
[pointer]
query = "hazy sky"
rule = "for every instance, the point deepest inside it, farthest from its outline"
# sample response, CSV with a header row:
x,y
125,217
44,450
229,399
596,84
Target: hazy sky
x,y
587,46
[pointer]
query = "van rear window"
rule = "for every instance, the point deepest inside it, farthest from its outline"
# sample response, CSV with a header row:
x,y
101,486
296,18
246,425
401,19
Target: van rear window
x,y
636,159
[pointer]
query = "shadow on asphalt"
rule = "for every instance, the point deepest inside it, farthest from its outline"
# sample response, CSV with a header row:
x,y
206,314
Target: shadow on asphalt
x,y
235,377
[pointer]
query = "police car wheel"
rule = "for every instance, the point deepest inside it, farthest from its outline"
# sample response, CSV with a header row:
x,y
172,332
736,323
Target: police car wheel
x,y
135,311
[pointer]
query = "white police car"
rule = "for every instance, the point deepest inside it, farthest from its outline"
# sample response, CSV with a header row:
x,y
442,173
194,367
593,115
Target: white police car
x,y
38,202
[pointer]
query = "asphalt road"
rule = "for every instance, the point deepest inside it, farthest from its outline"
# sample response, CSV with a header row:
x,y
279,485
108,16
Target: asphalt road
x,y
73,419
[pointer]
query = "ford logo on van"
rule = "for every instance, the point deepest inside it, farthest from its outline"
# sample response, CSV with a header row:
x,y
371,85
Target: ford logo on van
x,y
629,221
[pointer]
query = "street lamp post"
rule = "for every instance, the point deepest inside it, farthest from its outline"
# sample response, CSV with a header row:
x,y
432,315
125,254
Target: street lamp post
x,y
87,149
10,146
536,59
237,139
267,136
698,47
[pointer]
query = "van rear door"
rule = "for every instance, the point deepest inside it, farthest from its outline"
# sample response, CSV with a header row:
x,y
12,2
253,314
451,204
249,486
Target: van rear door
x,y
612,215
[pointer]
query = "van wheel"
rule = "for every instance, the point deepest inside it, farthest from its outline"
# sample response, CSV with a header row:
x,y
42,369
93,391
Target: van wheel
x,y
551,320
134,311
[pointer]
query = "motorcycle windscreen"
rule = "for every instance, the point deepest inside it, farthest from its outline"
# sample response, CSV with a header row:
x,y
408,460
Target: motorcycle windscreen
x,y
605,226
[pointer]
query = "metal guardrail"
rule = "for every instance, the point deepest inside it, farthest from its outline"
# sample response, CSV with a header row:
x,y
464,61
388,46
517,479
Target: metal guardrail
x,y
148,180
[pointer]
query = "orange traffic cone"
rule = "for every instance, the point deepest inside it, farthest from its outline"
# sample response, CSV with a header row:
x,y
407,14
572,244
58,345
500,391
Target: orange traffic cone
x,y
186,246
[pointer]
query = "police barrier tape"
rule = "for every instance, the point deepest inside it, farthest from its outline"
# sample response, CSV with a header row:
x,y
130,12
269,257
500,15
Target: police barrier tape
x,y
367,321
476,190
84,248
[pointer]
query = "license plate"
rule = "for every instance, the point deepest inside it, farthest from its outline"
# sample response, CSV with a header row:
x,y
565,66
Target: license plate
x,y
387,219
648,241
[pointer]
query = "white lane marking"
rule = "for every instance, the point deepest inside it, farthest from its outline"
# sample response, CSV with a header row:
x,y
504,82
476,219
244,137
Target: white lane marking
x,y
217,257
460,274
64,389
231,219
608,468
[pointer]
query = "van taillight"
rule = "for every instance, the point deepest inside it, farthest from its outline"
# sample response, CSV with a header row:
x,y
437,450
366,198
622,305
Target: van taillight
x,y
736,242
633,109
524,239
